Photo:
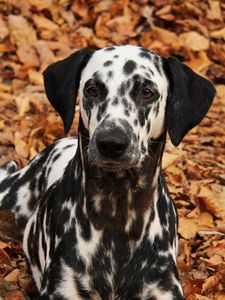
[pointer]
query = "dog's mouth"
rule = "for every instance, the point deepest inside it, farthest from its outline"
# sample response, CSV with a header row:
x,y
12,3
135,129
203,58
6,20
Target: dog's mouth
x,y
115,167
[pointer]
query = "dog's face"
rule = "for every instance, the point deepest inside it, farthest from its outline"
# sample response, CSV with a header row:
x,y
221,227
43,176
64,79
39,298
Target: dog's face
x,y
129,96
123,92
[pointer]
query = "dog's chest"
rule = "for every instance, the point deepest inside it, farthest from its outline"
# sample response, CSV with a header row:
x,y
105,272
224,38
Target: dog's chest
x,y
112,268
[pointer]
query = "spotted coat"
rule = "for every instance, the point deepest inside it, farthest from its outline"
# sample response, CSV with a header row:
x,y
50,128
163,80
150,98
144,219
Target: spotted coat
x,y
100,223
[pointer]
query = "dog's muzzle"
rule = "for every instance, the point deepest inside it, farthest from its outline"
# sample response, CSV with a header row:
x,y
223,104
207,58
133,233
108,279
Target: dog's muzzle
x,y
113,149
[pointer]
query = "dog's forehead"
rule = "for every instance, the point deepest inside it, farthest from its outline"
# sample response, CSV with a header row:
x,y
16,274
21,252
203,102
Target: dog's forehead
x,y
122,62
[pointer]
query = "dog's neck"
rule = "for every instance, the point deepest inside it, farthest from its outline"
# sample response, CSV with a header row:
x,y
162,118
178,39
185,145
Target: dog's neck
x,y
121,202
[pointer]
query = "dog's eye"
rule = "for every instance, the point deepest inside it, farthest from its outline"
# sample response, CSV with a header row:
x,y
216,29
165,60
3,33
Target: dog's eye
x,y
146,94
92,91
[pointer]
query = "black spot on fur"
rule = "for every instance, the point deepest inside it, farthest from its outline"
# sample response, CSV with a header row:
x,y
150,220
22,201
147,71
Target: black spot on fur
x,y
116,56
122,89
141,117
143,148
110,49
65,215
151,72
129,67
145,55
128,84
125,103
156,109
135,122
162,209
110,74
136,87
115,101
101,110
22,221
107,63
148,75
126,112
84,224
157,66
148,126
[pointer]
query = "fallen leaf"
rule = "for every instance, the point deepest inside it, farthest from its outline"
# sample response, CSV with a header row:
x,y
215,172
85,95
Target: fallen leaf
x,y
42,22
218,34
194,41
21,146
21,32
170,158
12,276
41,4
211,282
214,13
213,202
4,31
28,56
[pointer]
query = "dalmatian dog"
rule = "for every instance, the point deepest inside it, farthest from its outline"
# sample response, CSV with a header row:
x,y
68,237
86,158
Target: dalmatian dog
x,y
99,221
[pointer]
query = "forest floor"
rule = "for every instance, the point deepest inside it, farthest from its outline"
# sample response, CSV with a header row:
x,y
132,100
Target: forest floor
x,y
35,33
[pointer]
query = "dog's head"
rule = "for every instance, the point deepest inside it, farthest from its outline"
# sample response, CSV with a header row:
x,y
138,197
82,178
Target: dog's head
x,y
128,97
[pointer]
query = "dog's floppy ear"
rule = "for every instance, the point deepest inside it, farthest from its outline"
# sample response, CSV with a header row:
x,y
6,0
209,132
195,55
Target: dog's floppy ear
x,y
61,81
189,99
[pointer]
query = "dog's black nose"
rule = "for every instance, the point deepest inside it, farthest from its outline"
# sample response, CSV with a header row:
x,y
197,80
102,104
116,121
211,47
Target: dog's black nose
x,y
112,144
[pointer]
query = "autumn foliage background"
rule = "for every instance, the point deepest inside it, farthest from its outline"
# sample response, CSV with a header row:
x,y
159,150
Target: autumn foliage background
x,y
35,33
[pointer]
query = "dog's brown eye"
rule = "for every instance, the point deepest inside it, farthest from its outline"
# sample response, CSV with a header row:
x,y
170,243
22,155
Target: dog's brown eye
x,y
146,94
93,91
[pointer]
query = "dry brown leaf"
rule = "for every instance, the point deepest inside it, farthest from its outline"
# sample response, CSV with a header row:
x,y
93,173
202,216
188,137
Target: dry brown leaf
x,y
35,77
200,297
80,8
21,146
21,32
216,249
46,55
194,41
5,96
214,13
221,296
2,245
41,4
213,202
4,31
200,63
188,227
8,228
44,23
4,258
216,262
192,286
22,104
16,295
13,276
166,37
211,282
28,56
218,34
170,158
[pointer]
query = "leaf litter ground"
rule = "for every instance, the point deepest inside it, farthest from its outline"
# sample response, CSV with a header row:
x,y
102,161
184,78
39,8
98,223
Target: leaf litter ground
x,y
35,33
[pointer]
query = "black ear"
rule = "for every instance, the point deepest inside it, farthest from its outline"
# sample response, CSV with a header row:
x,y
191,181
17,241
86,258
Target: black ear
x,y
61,81
189,100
